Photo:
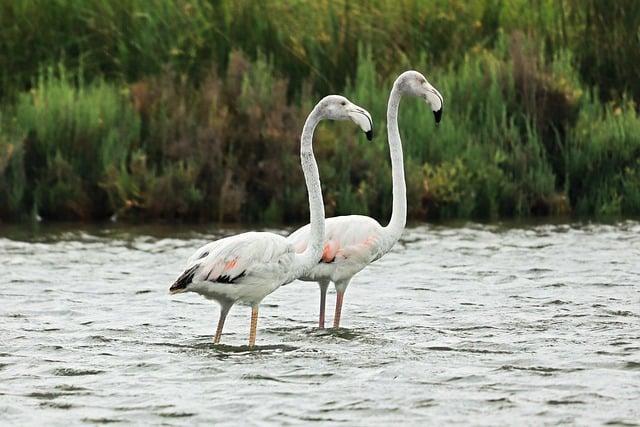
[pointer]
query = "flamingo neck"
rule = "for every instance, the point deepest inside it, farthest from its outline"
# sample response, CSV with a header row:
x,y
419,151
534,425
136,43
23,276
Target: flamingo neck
x,y
399,212
312,254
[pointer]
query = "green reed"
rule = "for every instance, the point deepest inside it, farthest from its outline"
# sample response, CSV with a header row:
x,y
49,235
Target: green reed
x,y
603,160
67,134
191,109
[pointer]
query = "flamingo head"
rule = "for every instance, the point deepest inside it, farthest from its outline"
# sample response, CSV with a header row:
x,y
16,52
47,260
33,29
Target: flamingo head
x,y
336,107
415,84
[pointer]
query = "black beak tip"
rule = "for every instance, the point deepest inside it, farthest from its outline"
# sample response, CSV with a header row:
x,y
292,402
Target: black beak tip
x,y
369,134
438,115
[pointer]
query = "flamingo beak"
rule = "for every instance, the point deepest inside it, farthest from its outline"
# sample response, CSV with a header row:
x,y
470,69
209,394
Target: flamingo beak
x,y
363,119
438,115
435,100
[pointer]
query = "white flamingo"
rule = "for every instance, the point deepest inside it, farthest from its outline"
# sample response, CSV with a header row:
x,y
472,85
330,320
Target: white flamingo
x,y
249,266
355,241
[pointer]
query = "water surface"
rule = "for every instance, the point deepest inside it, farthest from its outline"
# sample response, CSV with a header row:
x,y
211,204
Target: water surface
x,y
472,324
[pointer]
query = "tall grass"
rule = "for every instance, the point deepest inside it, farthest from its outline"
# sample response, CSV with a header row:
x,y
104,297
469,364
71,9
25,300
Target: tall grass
x,y
603,160
13,185
314,41
71,133
191,109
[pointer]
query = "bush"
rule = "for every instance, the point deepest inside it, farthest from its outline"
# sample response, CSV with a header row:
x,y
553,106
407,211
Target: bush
x,y
602,162
71,133
192,109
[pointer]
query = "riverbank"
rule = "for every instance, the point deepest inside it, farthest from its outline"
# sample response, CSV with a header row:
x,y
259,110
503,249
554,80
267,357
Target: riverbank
x,y
142,120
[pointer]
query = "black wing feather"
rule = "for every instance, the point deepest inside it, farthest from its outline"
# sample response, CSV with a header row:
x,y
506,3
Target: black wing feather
x,y
185,278
225,278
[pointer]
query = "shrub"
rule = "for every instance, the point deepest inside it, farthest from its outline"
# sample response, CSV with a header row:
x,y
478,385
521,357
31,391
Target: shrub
x,y
72,133
601,158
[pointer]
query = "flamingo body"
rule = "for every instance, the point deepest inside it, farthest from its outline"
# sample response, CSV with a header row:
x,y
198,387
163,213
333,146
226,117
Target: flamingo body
x,y
247,267
351,243
243,268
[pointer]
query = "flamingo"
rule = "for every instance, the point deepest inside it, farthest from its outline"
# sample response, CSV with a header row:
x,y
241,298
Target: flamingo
x,y
247,267
352,242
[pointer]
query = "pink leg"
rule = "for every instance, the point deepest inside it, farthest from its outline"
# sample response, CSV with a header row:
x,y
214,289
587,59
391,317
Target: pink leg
x,y
224,310
323,300
341,287
336,318
254,324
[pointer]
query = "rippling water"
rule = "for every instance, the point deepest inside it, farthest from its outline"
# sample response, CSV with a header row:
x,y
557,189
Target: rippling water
x,y
473,324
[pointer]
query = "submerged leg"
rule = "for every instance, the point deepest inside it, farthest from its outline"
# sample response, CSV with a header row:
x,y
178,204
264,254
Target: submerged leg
x,y
336,317
254,325
224,310
323,300
341,287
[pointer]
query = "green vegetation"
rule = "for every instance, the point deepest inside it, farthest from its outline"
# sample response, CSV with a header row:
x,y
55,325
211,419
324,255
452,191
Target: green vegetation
x,y
192,110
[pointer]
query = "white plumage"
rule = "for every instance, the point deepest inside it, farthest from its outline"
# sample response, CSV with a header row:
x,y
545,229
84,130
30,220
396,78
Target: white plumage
x,y
243,268
353,242
247,267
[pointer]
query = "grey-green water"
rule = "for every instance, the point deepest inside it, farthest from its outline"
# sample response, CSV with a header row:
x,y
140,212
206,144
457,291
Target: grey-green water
x,y
472,324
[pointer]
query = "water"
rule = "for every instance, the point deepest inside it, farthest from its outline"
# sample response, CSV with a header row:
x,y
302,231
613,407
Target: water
x,y
471,324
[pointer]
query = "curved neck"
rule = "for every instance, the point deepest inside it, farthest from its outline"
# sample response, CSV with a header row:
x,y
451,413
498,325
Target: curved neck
x,y
313,252
399,213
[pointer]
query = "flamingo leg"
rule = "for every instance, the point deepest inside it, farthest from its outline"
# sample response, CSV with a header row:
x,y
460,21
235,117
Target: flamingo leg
x,y
254,325
323,300
336,317
341,287
224,310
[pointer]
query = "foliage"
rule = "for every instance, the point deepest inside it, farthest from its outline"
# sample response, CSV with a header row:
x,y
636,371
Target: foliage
x,y
603,160
70,134
192,109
